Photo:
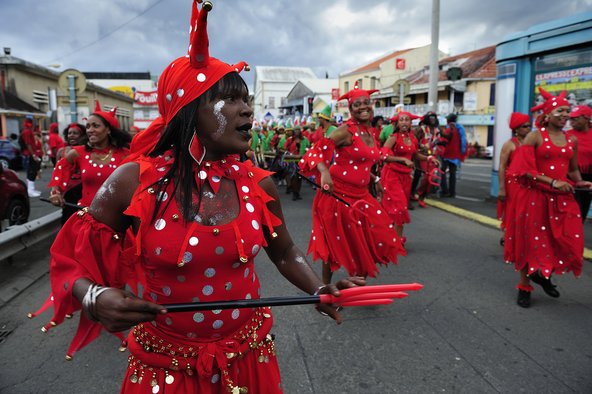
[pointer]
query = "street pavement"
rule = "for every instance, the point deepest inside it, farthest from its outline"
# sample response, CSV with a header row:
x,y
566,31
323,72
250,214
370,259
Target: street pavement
x,y
462,333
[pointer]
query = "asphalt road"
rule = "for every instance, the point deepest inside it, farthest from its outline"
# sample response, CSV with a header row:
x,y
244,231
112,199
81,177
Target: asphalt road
x,y
463,333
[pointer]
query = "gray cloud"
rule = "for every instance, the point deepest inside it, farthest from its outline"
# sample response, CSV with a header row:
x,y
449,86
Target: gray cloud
x,y
332,36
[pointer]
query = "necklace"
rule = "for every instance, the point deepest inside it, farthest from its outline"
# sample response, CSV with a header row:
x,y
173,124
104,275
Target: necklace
x,y
103,158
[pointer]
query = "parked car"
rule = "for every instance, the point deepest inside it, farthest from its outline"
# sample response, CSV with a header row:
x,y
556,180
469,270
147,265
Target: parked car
x,y
10,155
14,200
488,152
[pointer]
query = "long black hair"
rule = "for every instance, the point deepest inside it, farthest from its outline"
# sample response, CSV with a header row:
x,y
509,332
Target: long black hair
x,y
177,137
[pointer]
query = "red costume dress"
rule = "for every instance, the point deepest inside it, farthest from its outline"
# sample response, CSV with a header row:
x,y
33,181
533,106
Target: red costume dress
x,y
359,235
186,352
545,229
396,179
92,174
511,187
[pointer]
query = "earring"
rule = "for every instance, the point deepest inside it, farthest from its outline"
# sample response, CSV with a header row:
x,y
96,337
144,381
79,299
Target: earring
x,y
196,149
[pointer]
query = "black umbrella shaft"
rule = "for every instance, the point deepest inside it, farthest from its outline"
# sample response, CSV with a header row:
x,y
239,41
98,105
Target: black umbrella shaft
x,y
238,304
67,204
319,186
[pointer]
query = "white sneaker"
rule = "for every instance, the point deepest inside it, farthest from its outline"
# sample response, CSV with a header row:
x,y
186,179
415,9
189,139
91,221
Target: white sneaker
x,y
33,193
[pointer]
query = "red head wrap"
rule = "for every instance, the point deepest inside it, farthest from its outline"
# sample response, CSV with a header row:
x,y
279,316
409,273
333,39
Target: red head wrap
x,y
53,127
108,116
518,119
581,110
75,126
184,80
357,92
409,114
551,102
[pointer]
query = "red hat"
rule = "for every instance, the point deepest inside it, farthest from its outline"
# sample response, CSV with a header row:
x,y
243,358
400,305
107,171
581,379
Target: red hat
x,y
551,102
184,80
517,119
409,114
108,116
75,125
28,122
357,92
581,110
53,127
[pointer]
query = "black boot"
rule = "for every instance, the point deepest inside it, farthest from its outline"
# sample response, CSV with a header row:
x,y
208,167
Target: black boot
x,y
523,298
545,283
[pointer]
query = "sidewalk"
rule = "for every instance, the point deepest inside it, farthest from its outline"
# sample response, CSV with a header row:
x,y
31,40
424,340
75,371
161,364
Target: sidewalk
x,y
485,212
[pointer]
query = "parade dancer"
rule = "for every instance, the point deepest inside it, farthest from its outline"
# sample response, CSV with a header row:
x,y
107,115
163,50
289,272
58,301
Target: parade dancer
x,y
359,235
296,146
74,135
430,127
544,234
520,125
580,119
200,217
399,154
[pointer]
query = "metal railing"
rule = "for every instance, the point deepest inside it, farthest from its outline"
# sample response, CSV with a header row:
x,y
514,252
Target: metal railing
x,y
18,238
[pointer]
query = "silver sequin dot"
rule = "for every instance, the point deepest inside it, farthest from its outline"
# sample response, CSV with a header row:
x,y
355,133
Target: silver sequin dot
x,y
235,314
209,272
219,250
255,224
160,224
187,257
217,324
255,249
169,97
198,317
180,92
207,290
166,291
250,207
202,174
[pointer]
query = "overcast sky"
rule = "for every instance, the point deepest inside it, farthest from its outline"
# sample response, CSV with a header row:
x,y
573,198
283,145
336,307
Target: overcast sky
x,y
326,35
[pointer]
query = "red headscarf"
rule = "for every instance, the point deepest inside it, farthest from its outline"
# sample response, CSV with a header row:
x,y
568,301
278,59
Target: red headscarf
x,y
357,92
517,119
551,102
75,126
184,80
108,116
53,127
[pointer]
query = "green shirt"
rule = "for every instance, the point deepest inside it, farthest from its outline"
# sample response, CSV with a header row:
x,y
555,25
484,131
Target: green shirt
x,y
329,130
385,133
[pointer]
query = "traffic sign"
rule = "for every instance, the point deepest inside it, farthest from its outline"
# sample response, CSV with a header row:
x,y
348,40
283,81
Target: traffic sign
x,y
401,83
79,84
454,73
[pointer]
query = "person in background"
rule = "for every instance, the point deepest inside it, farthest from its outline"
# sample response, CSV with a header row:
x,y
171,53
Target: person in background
x,y
74,135
295,146
33,141
360,235
520,125
133,131
55,142
453,155
325,126
200,216
580,119
544,236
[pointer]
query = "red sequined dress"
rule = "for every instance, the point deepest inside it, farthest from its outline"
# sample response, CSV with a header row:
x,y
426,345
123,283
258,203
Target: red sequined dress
x,y
397,178
177,261
360,235
511,186
545,229
92,173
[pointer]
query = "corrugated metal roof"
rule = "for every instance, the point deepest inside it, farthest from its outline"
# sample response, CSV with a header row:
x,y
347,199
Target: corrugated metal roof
x,y
282,74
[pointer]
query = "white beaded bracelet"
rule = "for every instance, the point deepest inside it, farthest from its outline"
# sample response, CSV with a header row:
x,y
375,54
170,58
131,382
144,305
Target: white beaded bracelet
x,y
89,300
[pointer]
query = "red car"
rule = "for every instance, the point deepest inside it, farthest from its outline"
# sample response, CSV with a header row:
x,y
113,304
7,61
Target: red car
x,y
14,200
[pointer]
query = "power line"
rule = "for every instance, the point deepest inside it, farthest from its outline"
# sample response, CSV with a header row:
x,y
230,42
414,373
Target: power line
x,y
110,33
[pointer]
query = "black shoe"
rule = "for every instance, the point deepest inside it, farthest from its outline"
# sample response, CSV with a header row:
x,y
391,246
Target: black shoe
x,y
288,190
296,197
546,284
523,298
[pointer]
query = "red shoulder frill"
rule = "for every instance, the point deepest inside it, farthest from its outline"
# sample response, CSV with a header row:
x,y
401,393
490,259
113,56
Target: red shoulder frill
x,y
323,151
61,174
85,248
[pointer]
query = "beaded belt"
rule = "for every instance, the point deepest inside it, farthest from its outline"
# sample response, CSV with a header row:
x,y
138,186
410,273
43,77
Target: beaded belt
x,y
155,356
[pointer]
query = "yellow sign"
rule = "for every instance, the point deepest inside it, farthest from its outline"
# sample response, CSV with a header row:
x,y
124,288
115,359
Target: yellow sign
x,y
126,90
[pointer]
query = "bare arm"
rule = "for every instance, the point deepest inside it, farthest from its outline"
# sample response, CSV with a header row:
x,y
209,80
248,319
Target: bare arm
x,y
507,149
291,261
117,309
341,137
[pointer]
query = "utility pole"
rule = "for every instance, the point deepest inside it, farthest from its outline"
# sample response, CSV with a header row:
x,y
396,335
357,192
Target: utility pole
x,y
434,71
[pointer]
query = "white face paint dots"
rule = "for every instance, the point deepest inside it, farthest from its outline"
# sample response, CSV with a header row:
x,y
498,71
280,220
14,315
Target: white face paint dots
x,y
222,121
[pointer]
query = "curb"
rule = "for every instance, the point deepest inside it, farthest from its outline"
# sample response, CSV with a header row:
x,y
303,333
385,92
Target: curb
x,y
482,219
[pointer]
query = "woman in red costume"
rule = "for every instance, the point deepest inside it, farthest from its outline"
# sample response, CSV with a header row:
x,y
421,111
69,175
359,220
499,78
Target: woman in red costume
x,y
360,235
580,119
544,234
200,216
520,126
106,147
398,153
73,135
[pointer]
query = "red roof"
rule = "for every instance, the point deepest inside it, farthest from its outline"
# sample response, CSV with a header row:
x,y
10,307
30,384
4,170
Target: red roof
x,y
476,64
376,64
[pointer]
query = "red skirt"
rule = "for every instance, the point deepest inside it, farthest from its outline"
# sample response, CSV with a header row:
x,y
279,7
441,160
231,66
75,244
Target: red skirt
x,y
355,237
544,231
397,189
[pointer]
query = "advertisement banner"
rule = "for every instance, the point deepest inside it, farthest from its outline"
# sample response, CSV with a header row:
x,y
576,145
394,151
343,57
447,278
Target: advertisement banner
x,y
146,98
